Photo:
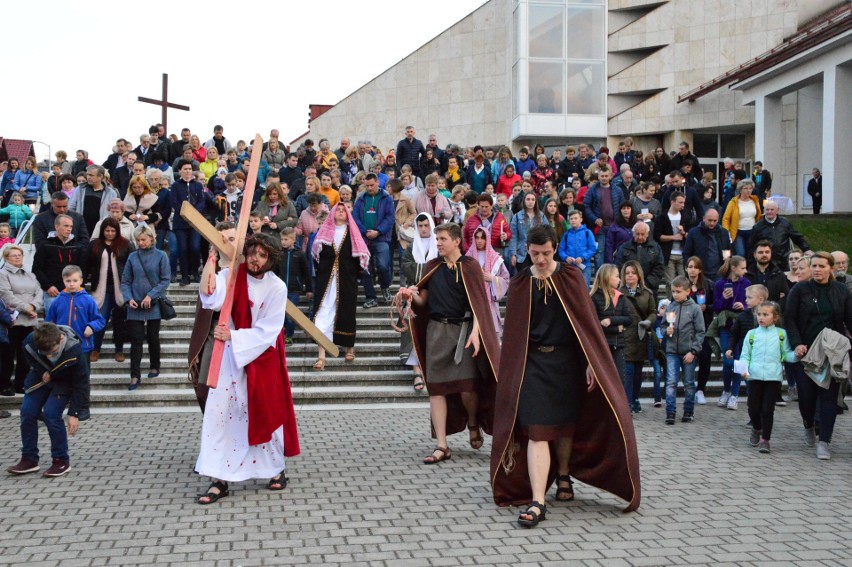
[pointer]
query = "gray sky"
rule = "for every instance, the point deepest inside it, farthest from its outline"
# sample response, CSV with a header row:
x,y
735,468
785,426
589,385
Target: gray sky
x,y
75,68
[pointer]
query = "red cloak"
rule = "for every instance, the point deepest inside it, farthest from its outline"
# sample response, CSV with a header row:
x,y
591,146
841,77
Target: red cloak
x,y
270,400
604,453
488,359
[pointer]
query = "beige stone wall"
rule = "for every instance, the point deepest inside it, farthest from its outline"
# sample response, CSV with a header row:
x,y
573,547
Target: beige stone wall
x,y
703,40
457,86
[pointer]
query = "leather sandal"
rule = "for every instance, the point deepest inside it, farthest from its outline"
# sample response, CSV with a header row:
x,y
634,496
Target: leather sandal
x,y
475,440
418,383
350,356
536,516
563,493
214,496
432,459
278,482
319,364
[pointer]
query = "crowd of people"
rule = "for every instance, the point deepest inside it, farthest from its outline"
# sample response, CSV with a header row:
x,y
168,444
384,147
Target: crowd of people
x,y
674,269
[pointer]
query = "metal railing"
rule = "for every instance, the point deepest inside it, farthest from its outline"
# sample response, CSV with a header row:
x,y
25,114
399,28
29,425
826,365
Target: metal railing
x,y
24,236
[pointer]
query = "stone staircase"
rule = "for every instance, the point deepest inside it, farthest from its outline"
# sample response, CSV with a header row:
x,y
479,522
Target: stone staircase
x,y
377,376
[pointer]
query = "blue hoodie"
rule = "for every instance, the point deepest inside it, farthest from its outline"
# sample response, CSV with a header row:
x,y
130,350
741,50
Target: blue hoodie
x,y
77,310
578,243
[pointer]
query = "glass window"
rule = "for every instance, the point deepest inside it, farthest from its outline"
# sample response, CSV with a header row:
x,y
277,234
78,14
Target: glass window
x,y
586,88
705,145
545,31
733,145
545,94
585,30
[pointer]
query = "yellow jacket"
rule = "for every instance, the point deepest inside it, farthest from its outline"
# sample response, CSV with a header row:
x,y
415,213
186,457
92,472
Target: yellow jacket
x,y
731,220
332,195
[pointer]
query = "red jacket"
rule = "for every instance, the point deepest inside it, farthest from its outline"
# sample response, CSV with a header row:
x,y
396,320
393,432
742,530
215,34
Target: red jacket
x,y
498,222
504,185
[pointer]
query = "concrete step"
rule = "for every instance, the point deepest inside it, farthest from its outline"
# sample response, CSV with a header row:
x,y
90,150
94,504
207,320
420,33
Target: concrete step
x,y
177,380
299,349
178,364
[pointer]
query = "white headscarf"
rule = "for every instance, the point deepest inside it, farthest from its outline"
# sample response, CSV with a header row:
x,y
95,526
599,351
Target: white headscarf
x,y
425,249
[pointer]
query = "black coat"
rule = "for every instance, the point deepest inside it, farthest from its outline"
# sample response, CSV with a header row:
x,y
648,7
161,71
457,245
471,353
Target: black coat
x,y
779,233
51,257
292,269
619,315
69,374
44,225
649,256
773,278
802,307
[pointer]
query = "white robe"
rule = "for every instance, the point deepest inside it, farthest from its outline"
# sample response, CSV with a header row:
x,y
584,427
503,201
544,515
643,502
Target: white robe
x,y
225,453
327,313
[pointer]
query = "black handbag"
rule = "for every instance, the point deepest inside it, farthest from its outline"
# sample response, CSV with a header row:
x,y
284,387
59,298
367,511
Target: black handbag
x,y
167,308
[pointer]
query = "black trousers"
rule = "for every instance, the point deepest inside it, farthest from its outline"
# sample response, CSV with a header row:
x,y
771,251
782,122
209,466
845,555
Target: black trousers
x,y
12,358
813,399
762,395
704,361
139,332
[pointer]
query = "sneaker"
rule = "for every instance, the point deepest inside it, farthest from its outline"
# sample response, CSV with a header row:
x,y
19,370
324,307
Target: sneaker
x,y
754,439
822,451
699,398
288,341
386,295
658,403
723,399
58,468
793,394
370,303
637,407
84,414
670,419
732,403
763,446
810,436
687,418
780,402
24,466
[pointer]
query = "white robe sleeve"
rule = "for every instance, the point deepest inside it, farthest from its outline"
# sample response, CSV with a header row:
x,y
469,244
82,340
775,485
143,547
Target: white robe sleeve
x,y
248,344
215,300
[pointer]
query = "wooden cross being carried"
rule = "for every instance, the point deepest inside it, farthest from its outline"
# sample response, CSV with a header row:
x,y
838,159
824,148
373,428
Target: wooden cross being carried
x,y
235,255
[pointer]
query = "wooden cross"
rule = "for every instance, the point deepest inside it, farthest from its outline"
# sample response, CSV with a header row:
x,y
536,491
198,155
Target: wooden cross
x,y
234,254
164,103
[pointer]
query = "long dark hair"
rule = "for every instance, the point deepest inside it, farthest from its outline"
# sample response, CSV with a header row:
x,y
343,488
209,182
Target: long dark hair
x,y
701,282
118,244
619,219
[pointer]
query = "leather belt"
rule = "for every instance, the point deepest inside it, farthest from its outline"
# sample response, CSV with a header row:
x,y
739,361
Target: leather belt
x,y
451,320
543,348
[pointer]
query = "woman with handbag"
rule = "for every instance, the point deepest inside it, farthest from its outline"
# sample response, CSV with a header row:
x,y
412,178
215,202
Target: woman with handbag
x,y
28,181
109,257
143,286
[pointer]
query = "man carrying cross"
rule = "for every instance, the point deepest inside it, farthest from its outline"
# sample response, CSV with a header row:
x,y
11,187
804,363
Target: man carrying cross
x,y
249,424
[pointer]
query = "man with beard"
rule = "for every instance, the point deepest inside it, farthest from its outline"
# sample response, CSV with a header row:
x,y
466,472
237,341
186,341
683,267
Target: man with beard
x,y
763,271
453,323
558,384
251,424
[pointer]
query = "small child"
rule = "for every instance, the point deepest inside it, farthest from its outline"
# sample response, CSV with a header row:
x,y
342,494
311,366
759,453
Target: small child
x,y
5,234
293,270
345,194
442,187
457,205
764,349
745,321
77,309
58,375
684,338
18,212
255,223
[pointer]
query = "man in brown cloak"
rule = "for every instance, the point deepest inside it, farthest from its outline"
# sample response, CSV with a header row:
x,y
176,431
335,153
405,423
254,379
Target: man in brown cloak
x,y
560,407
454,337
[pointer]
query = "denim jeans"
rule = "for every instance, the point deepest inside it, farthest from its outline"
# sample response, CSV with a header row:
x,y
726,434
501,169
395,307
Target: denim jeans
x,y
599,253
189,252
674,365
633,380
741,242
106,313
289,324
172,251
43,402
380,252
47,300
730,380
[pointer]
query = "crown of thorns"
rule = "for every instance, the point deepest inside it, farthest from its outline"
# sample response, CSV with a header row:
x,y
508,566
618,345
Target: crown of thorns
x,y
268,243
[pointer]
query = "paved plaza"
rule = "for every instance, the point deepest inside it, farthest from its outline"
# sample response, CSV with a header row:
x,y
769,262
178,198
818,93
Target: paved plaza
x,y
358,495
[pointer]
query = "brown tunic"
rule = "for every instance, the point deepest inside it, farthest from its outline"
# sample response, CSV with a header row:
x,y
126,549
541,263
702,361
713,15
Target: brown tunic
x,y
604,453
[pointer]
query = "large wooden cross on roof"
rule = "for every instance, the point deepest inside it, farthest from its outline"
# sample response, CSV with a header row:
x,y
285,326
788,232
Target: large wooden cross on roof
x,y
235,255
164,103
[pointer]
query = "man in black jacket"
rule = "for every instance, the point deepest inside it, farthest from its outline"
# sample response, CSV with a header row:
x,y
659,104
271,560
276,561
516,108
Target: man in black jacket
x,y
693,210
683,155
710,242
43,224
762,270
815,190
410,150
56,252
762,181
646,252
291,173
116,160
778,231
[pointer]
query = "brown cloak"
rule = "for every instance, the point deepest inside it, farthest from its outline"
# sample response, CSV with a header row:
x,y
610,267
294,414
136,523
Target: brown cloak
x,y
488,359
604,453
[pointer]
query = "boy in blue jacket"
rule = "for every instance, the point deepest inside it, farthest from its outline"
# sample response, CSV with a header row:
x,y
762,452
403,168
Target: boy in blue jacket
x,y
77,309
578,245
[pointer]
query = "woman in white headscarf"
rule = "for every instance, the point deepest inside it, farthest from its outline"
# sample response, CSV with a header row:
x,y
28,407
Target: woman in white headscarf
x,y
423,248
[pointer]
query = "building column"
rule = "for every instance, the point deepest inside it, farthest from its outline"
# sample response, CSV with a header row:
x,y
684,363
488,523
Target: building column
x,y
767,133
836,138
